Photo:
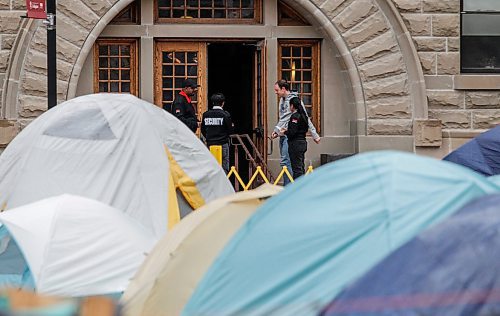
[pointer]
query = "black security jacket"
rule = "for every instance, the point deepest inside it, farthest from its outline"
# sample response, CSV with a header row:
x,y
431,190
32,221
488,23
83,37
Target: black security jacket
x,y
216,126
184,111
297,127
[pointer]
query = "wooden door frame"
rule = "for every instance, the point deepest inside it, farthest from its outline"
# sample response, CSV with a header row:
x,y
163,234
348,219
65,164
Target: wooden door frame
x,y
261,44
177,45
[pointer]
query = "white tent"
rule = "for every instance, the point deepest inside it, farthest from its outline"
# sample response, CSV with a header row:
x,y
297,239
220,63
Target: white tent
x,y
117,149
73,246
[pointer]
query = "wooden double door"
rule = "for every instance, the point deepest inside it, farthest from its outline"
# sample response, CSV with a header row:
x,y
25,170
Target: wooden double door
x,y
234,68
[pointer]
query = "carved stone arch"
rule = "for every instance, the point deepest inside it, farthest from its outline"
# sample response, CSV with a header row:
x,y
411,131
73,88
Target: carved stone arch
x,y
411,59
16,63
317,17
89,43
79,24
380,57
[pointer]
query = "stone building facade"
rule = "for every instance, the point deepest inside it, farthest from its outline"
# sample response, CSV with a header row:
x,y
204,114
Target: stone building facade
x,y
392,68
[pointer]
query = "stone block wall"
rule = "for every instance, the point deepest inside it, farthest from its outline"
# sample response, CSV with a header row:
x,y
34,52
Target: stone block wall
x,y
435,29
372,42
75,20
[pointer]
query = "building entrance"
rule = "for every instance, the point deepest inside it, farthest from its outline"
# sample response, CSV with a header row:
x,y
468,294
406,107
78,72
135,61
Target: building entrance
x,y
233,68
230,71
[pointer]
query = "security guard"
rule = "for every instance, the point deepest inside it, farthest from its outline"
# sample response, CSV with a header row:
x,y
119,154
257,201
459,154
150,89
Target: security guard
x,y
296,134
182,108
216,126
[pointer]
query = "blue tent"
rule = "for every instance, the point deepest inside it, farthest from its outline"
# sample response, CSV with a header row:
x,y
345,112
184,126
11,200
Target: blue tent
x,y
481,154
14,271
449,269
304,245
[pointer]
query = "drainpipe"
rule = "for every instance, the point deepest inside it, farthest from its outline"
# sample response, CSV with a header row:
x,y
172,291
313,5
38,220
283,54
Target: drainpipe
x,y
51,54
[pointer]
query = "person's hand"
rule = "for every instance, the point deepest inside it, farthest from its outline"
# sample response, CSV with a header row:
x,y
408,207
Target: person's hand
x,y
274,135
282,131
317,140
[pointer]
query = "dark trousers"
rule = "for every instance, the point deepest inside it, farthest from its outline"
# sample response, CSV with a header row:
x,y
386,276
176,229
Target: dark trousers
x,y
297,149
225,157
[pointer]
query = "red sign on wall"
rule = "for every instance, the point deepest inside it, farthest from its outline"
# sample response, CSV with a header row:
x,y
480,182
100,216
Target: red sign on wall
x,y
36,9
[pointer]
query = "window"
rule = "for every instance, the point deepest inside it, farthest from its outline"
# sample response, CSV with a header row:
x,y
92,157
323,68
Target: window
x,y
299,63
115,66
480,36
129,15
287,16
208,11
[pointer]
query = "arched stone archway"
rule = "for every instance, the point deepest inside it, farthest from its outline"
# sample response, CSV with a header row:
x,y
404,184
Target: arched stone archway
x,y
79,22
380,58
372,41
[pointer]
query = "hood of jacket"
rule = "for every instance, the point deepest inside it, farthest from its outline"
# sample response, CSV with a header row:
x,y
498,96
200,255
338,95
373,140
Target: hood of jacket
x,y
285,102
291,95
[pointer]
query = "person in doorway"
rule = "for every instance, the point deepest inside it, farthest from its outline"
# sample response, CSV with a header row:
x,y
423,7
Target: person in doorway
x,y
282,90
296,136
182,108
216,126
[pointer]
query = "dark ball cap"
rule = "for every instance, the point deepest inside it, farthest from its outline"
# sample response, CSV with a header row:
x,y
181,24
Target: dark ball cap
x,y
188,83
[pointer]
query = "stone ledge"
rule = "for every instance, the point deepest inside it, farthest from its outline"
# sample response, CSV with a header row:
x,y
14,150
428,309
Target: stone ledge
x,y
471,133
378,142
476,82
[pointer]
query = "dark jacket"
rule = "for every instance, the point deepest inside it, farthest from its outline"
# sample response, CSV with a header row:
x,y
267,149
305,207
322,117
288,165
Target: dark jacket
x,y
297,127
216,126
185,111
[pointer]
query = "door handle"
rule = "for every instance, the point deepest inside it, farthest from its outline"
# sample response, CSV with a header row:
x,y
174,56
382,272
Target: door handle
x,y
270,151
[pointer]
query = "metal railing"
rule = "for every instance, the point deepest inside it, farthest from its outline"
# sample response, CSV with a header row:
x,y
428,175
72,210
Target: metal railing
x,y
258,171
244,148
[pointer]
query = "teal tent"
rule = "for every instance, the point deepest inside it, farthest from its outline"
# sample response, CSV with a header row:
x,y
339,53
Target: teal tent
x,y
495,179
14,271
304,245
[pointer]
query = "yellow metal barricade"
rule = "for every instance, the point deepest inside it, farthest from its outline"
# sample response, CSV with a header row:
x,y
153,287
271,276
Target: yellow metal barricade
x,y
284,173
309,170
258,172
237,176
255,174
